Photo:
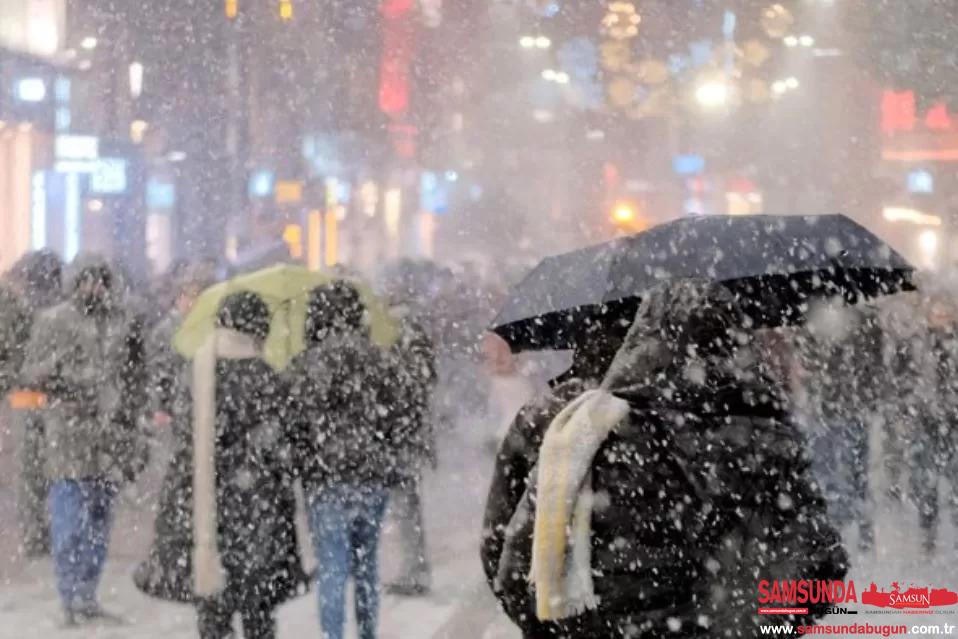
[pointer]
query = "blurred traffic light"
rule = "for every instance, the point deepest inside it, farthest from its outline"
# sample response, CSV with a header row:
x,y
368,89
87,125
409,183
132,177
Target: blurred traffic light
x,y
286,9
231,8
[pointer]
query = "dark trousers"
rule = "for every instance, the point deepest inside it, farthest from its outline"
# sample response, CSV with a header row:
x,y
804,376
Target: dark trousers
x,y
841,453
34,487
932,458
406,504
215,617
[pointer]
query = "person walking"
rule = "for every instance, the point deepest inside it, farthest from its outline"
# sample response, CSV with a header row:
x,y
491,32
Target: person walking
x,y
225,533
654,500
36,281
845,361
933,450
80,355
354,439
417,360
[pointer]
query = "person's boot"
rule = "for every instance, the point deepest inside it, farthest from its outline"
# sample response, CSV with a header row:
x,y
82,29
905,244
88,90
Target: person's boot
x,y
69,619
94,612
409,586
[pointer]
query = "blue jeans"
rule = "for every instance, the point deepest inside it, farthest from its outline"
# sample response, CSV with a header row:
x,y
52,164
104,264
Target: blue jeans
x,y
345,522
81,515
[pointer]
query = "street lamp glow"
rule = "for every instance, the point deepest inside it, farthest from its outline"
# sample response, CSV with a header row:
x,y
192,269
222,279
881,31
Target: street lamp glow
x,y
549,75
806,40
89,43
623,213
791,83
712,94
562,77
790,41
543,42
779,87
527,42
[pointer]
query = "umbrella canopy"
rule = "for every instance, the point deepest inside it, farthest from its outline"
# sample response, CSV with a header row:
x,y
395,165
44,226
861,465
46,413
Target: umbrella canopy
x,y
775,263
285,289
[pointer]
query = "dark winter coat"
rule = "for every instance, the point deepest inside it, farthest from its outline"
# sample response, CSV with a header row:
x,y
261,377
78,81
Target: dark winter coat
x,y
848,365
256,506
353,428
701,493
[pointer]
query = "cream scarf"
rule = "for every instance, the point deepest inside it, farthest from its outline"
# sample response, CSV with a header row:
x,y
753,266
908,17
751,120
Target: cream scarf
x,y
562,538
208,574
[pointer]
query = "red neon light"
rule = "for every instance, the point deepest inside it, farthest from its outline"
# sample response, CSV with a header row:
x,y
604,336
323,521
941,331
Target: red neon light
x,y
937,118
897,111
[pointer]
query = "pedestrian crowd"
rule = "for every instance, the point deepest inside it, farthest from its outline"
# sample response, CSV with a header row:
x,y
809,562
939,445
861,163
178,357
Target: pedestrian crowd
x,y
682,455
89,371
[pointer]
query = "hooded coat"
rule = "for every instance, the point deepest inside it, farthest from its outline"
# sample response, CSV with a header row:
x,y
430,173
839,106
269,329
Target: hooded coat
x,y
90,365
355,423
255,501
700,492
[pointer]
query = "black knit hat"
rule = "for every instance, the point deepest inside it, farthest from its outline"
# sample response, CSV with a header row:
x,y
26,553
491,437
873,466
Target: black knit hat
x,y
336,305
245,312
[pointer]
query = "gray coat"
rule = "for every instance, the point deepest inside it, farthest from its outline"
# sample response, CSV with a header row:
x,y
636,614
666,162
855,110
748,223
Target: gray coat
x,y
86,364
14,331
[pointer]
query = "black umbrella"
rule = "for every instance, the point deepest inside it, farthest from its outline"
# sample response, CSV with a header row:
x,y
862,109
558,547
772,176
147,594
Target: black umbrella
x,y
774,263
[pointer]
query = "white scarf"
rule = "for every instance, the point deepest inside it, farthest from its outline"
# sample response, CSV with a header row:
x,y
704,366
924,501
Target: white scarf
x,y
208,574
562,540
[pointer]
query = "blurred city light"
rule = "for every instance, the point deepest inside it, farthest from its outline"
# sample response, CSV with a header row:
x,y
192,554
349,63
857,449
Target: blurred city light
x,y
806,40
543,42
914,216
790,41
549,74
562,77
623,213
791,83
712,94
138,130
31,90
527,42
136,79
928,241
89,43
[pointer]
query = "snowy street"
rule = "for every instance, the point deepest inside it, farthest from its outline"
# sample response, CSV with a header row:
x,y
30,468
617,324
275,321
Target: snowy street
x,y
460,604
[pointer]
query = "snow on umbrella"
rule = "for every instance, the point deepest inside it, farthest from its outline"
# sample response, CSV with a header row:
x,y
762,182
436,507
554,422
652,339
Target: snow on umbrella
x,y
285,289
774,263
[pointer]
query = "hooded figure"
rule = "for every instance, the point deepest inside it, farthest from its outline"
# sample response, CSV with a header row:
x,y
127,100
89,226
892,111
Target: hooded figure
x,y
83,355
680,485
354,443
35,285
225,534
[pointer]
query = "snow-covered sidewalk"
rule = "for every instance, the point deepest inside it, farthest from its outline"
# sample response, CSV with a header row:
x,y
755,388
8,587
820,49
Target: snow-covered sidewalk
x,y
459,605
